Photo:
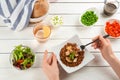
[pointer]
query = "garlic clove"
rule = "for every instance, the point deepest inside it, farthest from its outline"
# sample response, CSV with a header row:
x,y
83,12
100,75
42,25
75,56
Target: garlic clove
x,y
75,60
68,59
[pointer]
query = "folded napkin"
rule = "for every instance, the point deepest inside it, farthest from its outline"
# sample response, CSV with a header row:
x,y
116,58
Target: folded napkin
x,y
16,13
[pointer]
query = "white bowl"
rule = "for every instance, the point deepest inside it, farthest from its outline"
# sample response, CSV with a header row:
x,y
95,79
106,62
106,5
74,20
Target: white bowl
x,y
90,9
111,20
36,20
87,56
52,22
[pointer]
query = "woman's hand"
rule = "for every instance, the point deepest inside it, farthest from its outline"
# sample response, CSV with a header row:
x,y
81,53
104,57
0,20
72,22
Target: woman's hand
x,y
50,66
104,46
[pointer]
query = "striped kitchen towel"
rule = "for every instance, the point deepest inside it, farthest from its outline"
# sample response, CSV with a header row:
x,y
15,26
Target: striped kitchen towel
x,y
16,13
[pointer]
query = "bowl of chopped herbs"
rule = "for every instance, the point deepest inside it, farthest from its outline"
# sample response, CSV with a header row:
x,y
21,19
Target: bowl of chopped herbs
x,y
89,17
56,21
22,57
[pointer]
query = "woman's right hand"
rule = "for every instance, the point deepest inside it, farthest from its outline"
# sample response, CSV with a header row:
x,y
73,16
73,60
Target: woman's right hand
x,y
104,46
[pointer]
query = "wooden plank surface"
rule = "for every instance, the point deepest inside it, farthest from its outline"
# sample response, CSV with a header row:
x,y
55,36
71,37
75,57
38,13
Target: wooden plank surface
x,y
63,32
86,73
8,45
73,20
75,8
97,62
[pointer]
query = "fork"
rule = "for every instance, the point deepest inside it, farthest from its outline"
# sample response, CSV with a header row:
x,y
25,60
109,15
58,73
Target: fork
x,y
83,46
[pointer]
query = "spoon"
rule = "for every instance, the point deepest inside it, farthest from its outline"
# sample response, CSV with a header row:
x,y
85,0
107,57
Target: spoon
x,y
83,46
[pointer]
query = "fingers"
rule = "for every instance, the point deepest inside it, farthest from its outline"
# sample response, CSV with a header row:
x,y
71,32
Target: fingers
x,y
100,43
54,60
45,56
95,44
97,37
108,41
50,59
103,40
44,62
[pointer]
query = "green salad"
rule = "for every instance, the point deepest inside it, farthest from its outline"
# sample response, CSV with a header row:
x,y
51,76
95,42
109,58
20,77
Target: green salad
x,y
22,57
89,18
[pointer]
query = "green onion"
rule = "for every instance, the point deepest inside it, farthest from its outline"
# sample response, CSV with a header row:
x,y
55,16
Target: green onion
x,y
57,20
72,56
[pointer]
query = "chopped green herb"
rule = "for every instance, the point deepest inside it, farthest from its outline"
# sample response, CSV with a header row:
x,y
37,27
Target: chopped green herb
x,y
57,20
89,18
72,56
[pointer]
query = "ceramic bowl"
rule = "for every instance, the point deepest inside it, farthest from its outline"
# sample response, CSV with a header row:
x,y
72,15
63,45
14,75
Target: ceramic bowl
x,y
111,21
87,55
39,19
90,9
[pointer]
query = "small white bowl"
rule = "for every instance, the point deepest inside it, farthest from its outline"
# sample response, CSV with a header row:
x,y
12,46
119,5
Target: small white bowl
x,y
87,56
90,9
111,20
52,22
36,20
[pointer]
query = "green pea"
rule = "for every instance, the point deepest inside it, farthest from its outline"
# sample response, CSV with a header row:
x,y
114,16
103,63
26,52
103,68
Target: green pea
x,y
89,18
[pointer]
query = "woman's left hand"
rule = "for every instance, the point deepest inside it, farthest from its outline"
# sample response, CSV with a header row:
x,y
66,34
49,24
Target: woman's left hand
x,y
50,66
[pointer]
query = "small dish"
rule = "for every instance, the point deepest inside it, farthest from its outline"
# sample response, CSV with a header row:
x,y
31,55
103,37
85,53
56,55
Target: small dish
x,y
37,20
90,9
56,20
41,18
110,22
87,56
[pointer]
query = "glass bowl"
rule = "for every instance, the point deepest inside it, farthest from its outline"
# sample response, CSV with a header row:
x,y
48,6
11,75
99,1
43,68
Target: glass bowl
x,y
22,57
42,31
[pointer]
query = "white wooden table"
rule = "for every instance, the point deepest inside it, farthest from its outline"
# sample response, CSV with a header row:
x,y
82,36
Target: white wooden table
x,y
98,69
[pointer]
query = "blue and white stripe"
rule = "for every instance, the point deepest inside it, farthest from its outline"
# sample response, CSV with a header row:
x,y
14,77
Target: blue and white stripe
x,y
16,13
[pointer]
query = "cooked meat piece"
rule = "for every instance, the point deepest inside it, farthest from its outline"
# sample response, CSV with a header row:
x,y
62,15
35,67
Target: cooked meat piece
x,y
67,53
69,47
75,60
